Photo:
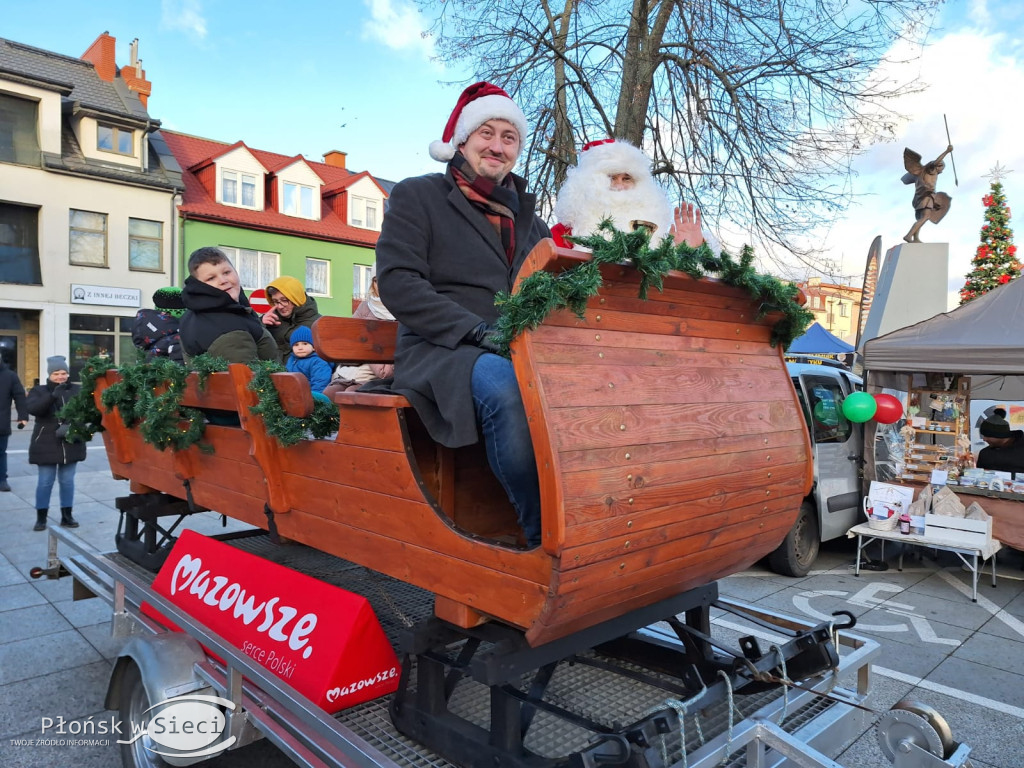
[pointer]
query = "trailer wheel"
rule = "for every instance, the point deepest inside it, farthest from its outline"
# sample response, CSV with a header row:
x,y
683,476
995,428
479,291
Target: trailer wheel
x,y
134,703
798,551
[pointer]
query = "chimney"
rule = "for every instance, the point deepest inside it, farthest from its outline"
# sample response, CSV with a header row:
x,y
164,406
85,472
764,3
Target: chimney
x,y
101,55
335,158
134,75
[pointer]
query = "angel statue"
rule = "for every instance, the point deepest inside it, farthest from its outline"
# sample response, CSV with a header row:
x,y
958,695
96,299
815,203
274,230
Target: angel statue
x,y
929,205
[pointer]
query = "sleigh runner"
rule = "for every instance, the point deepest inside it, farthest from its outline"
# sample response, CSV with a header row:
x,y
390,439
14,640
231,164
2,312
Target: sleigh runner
x,y
669,443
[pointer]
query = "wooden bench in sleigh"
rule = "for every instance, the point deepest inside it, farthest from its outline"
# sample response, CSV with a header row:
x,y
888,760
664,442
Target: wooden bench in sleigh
x,y
669,443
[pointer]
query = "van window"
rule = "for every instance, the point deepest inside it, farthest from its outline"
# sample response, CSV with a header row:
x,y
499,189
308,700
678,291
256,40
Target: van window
x,y
828,424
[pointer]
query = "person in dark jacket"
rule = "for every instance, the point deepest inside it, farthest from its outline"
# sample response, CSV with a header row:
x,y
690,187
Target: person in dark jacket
x,y
449,243
290,308
1005,451
11,392
56,458
218,319
155,331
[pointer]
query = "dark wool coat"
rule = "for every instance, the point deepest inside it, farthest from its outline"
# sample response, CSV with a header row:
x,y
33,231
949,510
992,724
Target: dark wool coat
x,y
11,391
306,315
44,401
217,324
439,265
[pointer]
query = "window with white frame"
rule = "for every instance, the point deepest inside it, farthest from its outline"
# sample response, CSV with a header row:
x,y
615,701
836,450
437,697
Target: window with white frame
x,y
361,277
88,238
145,245
844,309
365,213
238,188
298,200
318,277
110,138
255,268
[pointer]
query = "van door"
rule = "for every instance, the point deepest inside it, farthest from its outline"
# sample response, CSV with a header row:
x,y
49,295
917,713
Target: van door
x,y
838,452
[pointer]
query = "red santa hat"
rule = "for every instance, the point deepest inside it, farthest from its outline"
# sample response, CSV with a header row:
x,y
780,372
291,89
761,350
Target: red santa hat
x,y
479,103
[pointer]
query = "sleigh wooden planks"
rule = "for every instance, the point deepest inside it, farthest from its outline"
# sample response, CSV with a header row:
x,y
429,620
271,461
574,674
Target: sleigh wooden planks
x,y
668,439
671,438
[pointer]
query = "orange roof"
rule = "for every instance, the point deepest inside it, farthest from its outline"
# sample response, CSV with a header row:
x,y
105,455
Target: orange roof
x,y
194,153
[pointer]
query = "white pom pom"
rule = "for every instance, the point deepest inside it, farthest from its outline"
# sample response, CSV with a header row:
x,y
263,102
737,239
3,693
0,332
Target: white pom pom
x,y
441,151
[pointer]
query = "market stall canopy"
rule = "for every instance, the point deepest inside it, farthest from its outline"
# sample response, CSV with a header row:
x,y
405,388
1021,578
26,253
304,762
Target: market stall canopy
x,y
817,341
983,339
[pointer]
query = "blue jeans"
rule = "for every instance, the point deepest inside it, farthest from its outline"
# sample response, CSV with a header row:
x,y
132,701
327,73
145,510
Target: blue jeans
x,y
3,457
65,476
502,419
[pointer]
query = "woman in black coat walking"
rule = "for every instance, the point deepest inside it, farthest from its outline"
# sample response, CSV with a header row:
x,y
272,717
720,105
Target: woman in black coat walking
x,y
56,458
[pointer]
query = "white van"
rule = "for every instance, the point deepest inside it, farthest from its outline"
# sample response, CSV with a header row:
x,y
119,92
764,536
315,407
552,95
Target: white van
x,y
833,505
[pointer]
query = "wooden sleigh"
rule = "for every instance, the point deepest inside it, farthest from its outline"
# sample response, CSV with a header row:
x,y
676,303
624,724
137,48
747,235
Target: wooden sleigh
x,y
669,442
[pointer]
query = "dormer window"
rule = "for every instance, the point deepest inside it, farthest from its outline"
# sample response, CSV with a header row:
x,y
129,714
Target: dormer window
x,y
238,189
110,138
364,213
298,200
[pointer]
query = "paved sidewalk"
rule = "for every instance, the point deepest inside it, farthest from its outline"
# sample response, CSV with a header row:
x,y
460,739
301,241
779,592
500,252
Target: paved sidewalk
x,y
56,654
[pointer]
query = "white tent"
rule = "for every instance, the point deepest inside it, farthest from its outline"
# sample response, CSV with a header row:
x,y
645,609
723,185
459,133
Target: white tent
x,y
983,339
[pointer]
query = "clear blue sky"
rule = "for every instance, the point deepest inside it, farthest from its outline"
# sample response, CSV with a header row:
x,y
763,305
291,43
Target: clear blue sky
x,y
284,77
357,76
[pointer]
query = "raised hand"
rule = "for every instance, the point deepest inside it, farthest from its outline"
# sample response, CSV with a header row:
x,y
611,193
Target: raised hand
x,y
686,228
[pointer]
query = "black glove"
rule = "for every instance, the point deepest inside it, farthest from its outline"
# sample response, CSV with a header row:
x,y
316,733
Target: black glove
x,y
483,336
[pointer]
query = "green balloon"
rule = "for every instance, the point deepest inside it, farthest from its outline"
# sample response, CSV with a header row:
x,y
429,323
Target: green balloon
x,y
859,407
825,413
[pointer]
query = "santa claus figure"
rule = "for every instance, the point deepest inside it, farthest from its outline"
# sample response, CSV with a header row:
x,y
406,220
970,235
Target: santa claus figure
x,y
613,181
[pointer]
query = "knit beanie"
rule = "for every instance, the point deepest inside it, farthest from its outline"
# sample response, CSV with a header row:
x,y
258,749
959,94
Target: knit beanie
x,y
169,300
290,288
56,363
992,428
302,333
477,104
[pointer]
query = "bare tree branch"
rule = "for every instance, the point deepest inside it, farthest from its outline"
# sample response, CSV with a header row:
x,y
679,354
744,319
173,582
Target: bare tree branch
x,y
752,108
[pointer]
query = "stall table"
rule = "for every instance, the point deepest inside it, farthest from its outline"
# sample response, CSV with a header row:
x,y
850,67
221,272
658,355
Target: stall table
x,y
1006,510
967,553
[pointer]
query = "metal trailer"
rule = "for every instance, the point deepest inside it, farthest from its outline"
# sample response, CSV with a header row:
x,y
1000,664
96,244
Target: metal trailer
x,y
589,710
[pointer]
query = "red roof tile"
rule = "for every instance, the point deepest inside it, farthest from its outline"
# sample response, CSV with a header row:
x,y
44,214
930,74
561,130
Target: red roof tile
x,y
192,152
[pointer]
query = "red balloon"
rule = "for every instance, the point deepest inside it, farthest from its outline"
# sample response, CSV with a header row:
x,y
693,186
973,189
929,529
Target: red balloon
x,y
890,409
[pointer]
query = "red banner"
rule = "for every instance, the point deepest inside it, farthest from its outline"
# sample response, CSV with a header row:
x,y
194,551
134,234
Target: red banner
x,y
322,640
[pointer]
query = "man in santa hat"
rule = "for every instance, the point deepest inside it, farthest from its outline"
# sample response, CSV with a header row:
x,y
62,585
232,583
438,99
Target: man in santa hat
x,y
613,181
449,243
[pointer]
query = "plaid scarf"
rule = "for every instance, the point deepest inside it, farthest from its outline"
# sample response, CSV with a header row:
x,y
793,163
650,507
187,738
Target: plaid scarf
x,y
499,203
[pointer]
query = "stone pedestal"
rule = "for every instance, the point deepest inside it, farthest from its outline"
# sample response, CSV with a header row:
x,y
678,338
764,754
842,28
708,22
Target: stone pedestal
x,y
912,286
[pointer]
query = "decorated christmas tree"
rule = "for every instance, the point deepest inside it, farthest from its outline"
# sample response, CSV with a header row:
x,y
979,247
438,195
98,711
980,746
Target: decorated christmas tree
x,y
995,262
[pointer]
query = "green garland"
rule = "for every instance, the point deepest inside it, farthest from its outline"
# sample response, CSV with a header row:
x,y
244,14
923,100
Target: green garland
x,y
544,292
80,412
149,395
288,430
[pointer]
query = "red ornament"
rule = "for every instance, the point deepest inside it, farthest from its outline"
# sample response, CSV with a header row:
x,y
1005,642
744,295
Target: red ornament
x,y
889,410
1011,250
1004,279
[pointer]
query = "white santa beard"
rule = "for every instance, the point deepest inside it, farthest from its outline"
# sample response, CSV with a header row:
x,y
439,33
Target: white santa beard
x,y
583,206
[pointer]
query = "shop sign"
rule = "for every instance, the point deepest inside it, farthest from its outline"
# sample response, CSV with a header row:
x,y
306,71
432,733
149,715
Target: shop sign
x,y
106,295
